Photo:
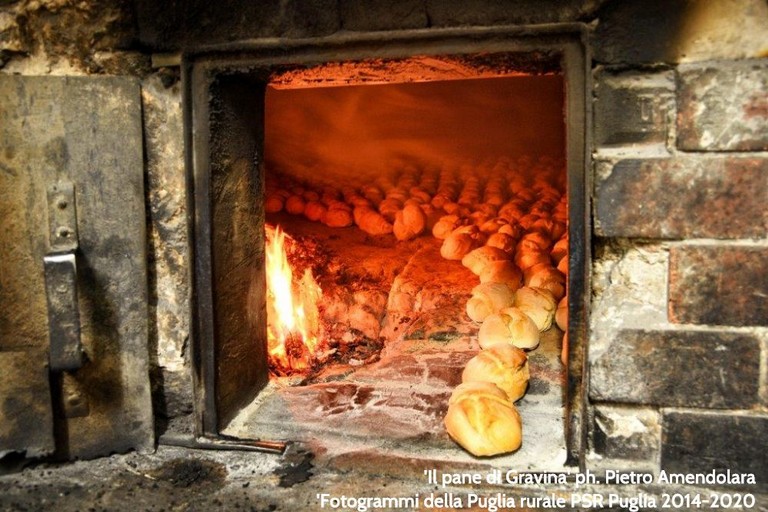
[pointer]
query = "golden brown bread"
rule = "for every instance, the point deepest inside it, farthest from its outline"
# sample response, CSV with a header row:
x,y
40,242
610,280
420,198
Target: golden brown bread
x,y
504,365
489,298
529,254
548,278
478,259
560,250
459,243
482,420
502,241
445,225
538,304
509,326
502,272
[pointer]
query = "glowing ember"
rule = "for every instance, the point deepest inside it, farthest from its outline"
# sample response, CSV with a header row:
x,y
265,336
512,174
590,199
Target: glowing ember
x,y
293,321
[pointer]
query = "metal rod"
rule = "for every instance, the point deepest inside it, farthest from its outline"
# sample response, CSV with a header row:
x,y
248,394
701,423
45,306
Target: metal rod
x,y
256,445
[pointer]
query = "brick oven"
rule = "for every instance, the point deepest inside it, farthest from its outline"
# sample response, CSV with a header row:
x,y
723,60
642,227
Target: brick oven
x,y
146,156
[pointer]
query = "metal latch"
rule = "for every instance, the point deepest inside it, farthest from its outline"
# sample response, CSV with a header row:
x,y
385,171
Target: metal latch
x,y
66,351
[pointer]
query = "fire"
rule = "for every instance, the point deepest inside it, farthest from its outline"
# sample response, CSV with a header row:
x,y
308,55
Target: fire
x,y
293,320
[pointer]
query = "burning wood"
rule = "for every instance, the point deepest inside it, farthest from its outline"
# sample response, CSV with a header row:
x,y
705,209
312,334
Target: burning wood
x,y
293,320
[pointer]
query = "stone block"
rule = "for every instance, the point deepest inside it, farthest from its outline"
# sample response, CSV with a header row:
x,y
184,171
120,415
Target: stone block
x,y
383,14
686,197
701,442
678,368
188,24
723,106
633,108
718,285
494,12
628,433
315,18
659,31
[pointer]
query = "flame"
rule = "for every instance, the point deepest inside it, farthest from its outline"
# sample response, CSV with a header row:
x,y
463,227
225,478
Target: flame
x,y
293,319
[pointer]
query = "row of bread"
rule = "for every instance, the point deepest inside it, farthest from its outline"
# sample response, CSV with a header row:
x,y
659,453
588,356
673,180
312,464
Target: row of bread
x,y
522,268
482,416
411,203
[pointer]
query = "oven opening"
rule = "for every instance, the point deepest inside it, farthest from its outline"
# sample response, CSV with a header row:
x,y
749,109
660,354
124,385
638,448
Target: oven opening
x,y
410,214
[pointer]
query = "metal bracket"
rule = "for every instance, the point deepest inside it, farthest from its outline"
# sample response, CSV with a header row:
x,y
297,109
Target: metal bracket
x,y
66,351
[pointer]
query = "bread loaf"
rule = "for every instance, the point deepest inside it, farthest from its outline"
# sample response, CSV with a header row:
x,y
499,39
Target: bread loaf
x,y
478,259
295,205
489,298
445,226
314,210
410,222
512,229
371,221
548,278
502,241
389,208
538,304
509,326
528,255
504,365
482,421
502,271
563,265
559,250
458,244
337,218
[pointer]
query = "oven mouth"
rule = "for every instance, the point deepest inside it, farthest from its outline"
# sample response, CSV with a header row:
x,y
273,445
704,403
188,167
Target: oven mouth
x,y
230,112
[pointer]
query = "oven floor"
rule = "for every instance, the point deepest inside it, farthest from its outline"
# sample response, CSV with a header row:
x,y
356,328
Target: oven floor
x,y
396,405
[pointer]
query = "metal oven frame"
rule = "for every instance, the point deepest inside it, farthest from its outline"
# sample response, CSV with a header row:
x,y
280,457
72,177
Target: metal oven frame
x,y
257,59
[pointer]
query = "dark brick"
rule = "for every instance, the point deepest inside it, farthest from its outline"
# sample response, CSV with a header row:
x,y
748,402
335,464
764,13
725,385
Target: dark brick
x,y
718,285
310,18
655,29
633,108
444,13
700,443
723,106
678,368
687,197
383,14
180,24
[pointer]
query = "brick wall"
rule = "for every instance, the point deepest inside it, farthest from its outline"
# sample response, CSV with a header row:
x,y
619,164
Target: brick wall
x,y
679,345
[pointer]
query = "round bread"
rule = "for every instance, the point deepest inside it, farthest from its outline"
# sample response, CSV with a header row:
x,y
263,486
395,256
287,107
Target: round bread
x,y
477,260
504,365
502,272
410,222
538,304
457,244
509,326
482,421
295,205
488,298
